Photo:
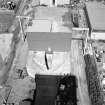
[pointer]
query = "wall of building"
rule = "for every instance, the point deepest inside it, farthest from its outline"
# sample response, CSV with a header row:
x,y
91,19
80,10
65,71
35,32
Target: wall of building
x,y
98,35
57,2
62,2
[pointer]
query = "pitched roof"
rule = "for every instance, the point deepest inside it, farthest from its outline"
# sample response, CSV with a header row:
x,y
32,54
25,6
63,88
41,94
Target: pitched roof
x,y
96,15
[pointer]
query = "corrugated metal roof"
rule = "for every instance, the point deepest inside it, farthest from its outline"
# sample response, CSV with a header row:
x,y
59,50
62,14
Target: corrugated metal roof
x,y
40,41
96,14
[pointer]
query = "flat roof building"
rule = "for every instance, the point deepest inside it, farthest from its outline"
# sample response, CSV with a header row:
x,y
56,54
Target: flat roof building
x,y
95,12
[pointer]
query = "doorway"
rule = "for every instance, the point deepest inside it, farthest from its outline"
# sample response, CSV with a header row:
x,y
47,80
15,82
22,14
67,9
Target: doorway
x,y
53,2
